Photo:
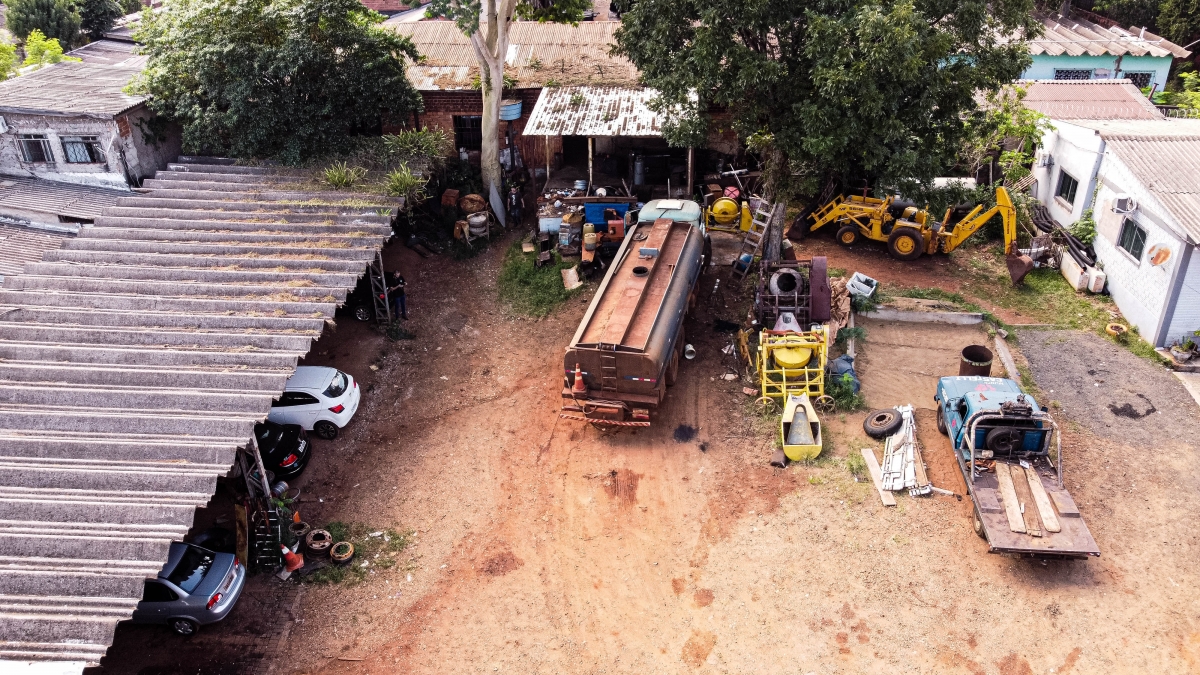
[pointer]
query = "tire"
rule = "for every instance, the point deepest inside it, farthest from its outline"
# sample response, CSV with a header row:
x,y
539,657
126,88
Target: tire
x,y
906,243
363,313
184,627
342,553
882,423
941,421
977,522
848,235
1004,440
326,429
673,369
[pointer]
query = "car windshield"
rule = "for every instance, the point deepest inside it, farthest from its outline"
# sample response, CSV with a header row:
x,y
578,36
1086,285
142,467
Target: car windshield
x,y
338,386
191,568
267,434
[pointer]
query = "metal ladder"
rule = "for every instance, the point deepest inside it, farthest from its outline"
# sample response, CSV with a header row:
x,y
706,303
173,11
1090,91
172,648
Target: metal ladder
x,y
608,367
753,240
383,308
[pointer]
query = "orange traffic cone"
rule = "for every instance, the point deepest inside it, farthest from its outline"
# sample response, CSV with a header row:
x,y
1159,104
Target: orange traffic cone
x,y
580,387
291,561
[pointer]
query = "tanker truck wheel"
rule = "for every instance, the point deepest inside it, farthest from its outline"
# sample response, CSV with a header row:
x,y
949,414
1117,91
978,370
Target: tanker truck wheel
x,y
673,369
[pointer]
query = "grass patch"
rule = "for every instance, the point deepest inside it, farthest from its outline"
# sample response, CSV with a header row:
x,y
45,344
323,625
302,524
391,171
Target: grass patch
x,y
529,290
856,465
381,551
841,389
954,299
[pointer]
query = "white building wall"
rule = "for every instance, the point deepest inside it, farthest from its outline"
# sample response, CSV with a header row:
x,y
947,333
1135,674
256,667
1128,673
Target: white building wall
x,y
1072,149
1141,290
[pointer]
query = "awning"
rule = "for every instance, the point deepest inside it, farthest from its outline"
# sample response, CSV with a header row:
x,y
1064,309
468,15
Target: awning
x,y
594,111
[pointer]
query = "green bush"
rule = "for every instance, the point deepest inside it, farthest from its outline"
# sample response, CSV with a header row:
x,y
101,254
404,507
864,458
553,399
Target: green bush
x,y
856,465
56,19
342,175
841,389
532,291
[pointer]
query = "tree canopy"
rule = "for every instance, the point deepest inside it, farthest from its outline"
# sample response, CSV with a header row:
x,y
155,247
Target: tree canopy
x,y
97,17
835,90
290,79
56,19
43,51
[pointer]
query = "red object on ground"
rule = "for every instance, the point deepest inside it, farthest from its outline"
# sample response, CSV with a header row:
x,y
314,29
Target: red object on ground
x,y
291,561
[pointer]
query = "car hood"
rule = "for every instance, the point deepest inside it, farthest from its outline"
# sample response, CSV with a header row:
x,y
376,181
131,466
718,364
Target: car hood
x,y
959,386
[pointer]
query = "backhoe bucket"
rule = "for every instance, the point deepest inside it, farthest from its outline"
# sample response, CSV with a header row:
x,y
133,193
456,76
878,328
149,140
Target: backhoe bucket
x,y
1018,267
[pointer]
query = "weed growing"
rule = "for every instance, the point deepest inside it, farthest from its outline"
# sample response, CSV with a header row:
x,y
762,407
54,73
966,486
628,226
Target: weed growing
x,y
530,290
373,549
856,465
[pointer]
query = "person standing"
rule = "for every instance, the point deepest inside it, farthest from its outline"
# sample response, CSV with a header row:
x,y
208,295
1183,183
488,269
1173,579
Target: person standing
x,y
396,293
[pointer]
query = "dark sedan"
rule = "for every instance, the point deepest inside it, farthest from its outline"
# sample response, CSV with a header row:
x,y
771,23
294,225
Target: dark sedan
x,y
285,448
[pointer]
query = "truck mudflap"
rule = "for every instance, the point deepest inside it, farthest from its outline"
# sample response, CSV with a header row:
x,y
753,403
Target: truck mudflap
x,y
1021,506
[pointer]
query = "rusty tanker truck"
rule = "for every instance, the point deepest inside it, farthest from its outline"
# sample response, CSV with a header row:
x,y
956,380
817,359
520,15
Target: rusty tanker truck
x,y
627,349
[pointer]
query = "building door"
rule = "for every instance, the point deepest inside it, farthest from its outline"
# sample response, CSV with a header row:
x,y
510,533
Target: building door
x,y
575,151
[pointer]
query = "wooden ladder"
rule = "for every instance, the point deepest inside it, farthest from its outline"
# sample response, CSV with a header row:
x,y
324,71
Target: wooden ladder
x,y
608,367
752,243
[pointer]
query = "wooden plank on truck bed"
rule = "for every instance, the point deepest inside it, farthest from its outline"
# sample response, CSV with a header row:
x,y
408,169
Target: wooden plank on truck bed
x,y
886,497
1042,500
1029,512
1064,503
1008,494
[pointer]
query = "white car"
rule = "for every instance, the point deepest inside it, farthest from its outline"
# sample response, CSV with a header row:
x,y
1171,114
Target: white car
x,y
317,398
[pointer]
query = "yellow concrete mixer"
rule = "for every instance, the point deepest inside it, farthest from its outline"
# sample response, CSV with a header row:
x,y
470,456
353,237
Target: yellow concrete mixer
x,y
727,215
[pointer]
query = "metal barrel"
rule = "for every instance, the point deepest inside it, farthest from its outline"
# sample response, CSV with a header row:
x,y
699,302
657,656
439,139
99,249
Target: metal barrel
x,y
976,360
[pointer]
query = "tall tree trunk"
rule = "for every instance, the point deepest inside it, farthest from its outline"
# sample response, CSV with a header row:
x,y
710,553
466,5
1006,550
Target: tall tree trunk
x,y
491,47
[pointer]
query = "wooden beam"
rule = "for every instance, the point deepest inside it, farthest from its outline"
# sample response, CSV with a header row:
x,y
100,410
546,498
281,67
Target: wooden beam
x,y
1042,500
591,141
691,172
1008,494
886,497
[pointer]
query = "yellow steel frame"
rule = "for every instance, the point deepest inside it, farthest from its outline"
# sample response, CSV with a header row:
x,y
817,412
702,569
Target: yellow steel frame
x,y
777,382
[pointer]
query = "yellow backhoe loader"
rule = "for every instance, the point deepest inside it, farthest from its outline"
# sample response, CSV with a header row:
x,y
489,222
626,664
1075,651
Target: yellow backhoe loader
x,y
910,232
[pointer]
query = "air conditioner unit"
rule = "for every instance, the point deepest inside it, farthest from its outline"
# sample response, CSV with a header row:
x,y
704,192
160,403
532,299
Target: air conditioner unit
x,y
1046,161
1123,203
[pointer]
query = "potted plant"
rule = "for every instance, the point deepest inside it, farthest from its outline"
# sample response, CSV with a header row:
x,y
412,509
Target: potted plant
x,y
1183,351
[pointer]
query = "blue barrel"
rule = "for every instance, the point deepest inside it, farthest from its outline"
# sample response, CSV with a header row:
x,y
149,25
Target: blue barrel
x,y
510,110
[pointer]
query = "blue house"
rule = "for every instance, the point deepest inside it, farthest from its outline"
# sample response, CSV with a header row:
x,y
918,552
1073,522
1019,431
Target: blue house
x,y
1074,48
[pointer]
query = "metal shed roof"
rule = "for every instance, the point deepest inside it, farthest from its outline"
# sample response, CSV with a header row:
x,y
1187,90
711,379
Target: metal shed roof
x,y
538,53
71,88
23,195
110,52
1089,100
1075,36
594,111
20,244
134,361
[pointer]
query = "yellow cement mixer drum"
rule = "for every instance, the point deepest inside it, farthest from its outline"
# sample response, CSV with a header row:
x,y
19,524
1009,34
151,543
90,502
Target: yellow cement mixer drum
x,y
725,211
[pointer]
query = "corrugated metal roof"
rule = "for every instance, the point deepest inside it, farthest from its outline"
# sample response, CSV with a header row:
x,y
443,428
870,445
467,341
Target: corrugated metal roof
x,y
134,361
71,87
594,111
110,52
1165,158
22,195
1089,100
539,53
1075,36
20,244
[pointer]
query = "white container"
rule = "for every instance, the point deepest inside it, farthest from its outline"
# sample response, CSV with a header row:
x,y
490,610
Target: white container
x,y
1075,275
1096,280
861,284
550,224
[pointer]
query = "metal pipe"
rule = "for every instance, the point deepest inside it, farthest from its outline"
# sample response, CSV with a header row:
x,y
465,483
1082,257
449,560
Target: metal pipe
x,y
590,142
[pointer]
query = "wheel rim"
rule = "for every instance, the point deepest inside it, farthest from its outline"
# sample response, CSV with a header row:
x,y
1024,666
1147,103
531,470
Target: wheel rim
x,y
326,430
882,420
362,314
848,237
905,245
184,627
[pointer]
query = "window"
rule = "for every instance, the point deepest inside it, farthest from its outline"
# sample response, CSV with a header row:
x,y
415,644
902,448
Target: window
x,y
1072,74
191,568
1132,239
291,398
1066,187
468,132
82,150
156,592
35,148
338,386
1140,80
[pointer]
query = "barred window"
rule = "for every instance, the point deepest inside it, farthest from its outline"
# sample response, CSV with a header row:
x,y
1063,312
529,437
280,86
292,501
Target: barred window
x,y
1072,74
468,131
1140,80
1132,239
1067,186
35,148
82,149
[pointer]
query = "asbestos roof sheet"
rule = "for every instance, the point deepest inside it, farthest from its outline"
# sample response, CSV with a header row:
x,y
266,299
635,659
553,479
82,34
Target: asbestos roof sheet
x,y
20,244
22,195
71,88
111,53
1075,36
538,53
1089,100
594,111
135,359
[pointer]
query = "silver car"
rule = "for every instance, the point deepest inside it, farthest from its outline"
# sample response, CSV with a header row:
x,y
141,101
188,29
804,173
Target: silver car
x,y
196,587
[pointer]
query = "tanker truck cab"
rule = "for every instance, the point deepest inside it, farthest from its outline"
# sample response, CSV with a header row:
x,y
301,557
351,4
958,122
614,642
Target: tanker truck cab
x,y
629,344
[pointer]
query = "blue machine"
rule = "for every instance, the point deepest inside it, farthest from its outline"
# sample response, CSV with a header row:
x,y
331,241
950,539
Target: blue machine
x,y
1019,431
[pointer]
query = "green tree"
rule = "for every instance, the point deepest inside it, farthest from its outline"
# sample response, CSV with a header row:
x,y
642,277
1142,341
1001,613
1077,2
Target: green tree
x,y
42,51
8,60
291,79
486,25
1179,21
834,91
1004,125
1130,12
97,17
54,18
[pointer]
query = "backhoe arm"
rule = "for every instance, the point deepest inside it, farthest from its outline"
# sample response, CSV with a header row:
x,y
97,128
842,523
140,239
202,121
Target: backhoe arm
x,y
971,225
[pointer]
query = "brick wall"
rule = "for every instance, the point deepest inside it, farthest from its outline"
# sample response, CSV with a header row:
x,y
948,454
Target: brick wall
x,y
441,107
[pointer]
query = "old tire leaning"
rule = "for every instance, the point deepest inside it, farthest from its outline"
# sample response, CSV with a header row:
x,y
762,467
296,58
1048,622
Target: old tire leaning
x,y
326,429
318,542
342,553
184,627
906,243
1004,440
977,522
847,235
882,423
941,421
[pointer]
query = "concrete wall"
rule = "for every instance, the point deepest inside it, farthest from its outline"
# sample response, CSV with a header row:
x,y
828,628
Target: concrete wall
x,y
1103,67
1185,319
1073,149
148,148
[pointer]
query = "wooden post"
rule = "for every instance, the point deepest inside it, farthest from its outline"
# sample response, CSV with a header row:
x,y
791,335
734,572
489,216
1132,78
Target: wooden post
x,y
547,163
590,140
691,175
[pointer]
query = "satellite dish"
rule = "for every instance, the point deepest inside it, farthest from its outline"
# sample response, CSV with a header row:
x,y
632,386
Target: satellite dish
x,y
1158,254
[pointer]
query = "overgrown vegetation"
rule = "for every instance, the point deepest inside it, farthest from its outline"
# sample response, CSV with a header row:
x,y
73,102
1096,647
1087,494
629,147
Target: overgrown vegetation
x,y
1084,229
55,19
529,290
341,175
43,51
841,389
846,333
856,465
373,549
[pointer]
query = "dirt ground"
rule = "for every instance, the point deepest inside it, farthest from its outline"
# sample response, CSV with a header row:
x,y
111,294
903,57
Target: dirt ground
x,y
544,546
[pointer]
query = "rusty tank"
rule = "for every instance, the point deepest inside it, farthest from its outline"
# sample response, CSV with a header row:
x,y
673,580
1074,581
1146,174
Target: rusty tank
x,y
627,349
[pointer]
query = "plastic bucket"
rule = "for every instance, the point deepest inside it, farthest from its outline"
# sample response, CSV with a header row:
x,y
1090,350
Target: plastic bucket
x,y
589,241
510,109
976,360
